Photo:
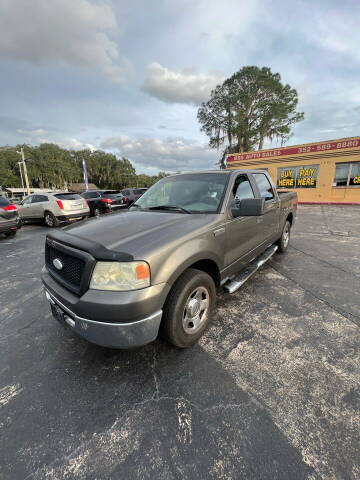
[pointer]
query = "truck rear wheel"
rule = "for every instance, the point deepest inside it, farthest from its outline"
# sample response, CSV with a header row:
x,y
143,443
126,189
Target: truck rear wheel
x,y
189,308
284,240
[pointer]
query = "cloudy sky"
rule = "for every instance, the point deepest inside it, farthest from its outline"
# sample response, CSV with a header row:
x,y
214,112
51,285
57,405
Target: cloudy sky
x,y
128,76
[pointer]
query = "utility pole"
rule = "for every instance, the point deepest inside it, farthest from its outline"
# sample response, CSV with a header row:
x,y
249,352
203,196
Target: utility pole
x,y
21,176
25,169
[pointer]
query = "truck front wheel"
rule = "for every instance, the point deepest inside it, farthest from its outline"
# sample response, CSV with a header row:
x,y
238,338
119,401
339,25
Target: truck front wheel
x,y
284,240
188,309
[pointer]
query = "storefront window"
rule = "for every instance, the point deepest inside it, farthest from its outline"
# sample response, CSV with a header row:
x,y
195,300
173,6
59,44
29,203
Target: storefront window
x,y
341,175
347,174
355,175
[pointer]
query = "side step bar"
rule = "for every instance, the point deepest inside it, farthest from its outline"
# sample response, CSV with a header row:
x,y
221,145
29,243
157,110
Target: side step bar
x,y
250,270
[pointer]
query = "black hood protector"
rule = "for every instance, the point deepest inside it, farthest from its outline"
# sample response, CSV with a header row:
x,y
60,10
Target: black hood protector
x,y
98,251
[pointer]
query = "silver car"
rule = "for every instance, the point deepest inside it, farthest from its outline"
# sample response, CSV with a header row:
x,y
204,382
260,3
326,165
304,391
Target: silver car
x,y
53,208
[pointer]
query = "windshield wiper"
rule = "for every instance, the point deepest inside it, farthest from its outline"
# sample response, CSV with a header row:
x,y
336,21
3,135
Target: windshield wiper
x,y
169,207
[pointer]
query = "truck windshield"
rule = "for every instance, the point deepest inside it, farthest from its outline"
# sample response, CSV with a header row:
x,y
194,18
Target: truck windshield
x,y
195,193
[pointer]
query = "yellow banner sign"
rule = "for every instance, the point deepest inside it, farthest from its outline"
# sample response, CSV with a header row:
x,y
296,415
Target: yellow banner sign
x,y
297,177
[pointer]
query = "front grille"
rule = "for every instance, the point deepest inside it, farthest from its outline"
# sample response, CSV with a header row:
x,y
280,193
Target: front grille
x,y
73,268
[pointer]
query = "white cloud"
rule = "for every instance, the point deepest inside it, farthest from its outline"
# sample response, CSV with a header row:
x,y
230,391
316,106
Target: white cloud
x,y
37,135
184,86
74,144
64,142
64,31
171,154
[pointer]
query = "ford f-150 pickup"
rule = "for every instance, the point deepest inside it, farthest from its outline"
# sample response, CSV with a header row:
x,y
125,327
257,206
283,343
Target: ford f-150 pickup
x,y
122,280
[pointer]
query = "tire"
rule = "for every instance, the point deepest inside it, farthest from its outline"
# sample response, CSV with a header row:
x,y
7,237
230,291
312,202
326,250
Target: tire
x,y
180,325
50,220
11,234
284,240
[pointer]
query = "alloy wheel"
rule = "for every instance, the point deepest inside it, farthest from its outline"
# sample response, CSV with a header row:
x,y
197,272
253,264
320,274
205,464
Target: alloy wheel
x,y
196,310
49,220
286,236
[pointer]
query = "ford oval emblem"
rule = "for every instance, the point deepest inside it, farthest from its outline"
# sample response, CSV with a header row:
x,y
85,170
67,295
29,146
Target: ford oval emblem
x,y
58,264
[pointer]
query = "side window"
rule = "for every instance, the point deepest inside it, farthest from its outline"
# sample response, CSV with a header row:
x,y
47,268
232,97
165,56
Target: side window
x,y
242,188
126,192
28,200
40,198
264,186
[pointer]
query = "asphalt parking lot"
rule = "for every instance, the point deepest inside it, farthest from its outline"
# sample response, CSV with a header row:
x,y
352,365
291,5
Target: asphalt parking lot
x,y
271,391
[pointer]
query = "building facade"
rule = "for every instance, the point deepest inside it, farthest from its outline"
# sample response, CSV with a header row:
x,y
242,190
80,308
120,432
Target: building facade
x,y
322,172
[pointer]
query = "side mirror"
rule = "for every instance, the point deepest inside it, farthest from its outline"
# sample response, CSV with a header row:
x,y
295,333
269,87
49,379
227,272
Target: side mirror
x,y
248,207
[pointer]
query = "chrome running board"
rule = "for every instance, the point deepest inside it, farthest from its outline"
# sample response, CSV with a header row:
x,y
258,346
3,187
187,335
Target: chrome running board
x,y
240,279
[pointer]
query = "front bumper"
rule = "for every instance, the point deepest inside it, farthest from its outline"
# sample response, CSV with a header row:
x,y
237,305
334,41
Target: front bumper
x,y
112,335
111,319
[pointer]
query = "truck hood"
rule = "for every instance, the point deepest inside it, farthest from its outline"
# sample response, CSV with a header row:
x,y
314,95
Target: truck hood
x,y
136,233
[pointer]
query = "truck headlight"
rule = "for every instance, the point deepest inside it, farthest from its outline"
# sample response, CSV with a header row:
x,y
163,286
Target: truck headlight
x,y
120,276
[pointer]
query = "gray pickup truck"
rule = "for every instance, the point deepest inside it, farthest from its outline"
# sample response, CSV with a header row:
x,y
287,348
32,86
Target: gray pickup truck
x,y
119,281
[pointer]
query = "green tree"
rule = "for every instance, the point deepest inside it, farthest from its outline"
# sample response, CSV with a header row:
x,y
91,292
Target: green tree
x,y
9,168
249,107
50,166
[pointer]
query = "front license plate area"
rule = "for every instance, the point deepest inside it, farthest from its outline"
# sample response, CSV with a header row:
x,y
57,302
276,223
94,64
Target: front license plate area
x,y
58,314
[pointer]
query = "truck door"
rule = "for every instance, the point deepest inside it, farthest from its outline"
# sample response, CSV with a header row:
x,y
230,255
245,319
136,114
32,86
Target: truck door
x,y
270,219
241,232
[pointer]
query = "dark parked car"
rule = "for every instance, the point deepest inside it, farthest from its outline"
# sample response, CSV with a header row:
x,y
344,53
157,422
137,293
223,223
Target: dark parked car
x,y
9,217
104,201
132,194
155,268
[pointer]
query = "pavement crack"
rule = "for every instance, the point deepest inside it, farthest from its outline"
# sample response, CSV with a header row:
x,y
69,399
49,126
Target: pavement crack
x,y
155,375
326,263
349,316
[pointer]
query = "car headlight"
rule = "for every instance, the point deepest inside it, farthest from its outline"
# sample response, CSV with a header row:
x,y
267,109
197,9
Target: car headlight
x,y
120,276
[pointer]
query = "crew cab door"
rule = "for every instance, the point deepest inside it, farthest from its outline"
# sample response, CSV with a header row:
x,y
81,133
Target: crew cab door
x,y
242,233
270,220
